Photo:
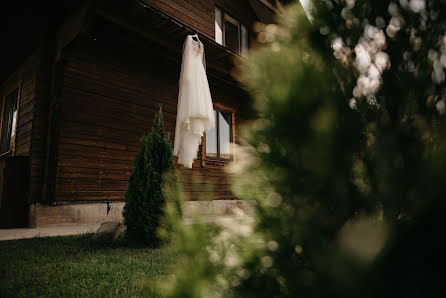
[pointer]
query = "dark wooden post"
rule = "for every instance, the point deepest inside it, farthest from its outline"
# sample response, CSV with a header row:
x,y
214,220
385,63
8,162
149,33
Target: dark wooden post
x,y
44,91
52,138
57,34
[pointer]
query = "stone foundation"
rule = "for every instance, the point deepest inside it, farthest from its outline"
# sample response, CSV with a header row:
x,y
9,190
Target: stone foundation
x,y
212,209
41,215
82,214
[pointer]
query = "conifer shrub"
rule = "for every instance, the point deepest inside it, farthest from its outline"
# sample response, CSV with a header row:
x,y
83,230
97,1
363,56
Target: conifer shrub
x,y
144,201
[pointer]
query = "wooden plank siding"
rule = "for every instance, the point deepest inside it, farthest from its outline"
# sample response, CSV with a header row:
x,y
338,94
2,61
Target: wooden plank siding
x,y
24,125
110,91
200,14
24,79
110,96
197,14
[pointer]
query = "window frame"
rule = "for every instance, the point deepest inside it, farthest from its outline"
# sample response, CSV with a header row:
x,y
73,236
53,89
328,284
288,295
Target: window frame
x,y
18,86
231,137
228,17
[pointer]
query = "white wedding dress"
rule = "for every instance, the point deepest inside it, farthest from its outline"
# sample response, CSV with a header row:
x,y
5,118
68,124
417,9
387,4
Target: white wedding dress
x,y
195,113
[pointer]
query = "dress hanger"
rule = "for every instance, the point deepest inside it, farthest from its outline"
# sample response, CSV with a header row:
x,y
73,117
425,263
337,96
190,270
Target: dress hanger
x,y
195,36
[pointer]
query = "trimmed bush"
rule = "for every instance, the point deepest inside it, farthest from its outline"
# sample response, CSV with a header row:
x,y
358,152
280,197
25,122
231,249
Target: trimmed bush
x,y
144,201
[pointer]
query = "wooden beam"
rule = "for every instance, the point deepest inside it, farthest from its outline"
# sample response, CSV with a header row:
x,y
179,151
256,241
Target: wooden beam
x,y
135,27
44,85
144,17
141,25
267,4
53,134
71,27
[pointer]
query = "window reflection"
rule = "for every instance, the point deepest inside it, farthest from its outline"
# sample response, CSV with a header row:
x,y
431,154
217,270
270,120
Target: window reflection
x,y
9,119
218,139
218,26
13,129
225,134
231,34
211,140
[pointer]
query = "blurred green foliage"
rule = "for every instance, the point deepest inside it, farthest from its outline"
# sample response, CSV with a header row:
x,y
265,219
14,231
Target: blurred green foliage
x,y
345,164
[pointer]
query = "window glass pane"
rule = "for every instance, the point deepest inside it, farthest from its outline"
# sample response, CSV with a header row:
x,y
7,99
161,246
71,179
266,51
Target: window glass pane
x,y
231,34
14,121
211,140
225,134
218,26
9,116
244,41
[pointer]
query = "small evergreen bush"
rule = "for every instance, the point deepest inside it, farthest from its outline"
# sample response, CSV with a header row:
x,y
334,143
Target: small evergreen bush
x,y
144,201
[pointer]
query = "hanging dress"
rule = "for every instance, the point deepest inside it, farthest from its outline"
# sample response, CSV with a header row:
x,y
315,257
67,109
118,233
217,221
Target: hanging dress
x,y
195,113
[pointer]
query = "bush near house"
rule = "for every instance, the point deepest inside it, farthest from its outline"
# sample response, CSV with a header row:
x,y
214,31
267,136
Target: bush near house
x,y
144,200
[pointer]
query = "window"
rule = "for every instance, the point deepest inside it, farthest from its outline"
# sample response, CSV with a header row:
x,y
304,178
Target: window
x,y
231,33
218,139
9,122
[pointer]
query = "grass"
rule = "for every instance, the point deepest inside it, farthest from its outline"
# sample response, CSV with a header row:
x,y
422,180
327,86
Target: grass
x,y
73,267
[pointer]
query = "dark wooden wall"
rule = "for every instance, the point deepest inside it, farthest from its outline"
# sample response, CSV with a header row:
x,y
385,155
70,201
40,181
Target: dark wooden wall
x,y
109,96
111,92
200,14
26,108
25,80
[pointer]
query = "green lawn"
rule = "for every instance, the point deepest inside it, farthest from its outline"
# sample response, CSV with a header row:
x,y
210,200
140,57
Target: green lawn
x,y
71,266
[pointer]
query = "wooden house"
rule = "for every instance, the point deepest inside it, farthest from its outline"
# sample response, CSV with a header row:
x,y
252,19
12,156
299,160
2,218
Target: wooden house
x,y
80,83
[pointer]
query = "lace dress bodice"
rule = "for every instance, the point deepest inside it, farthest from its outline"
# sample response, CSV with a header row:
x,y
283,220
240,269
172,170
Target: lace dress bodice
x,y
198,47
